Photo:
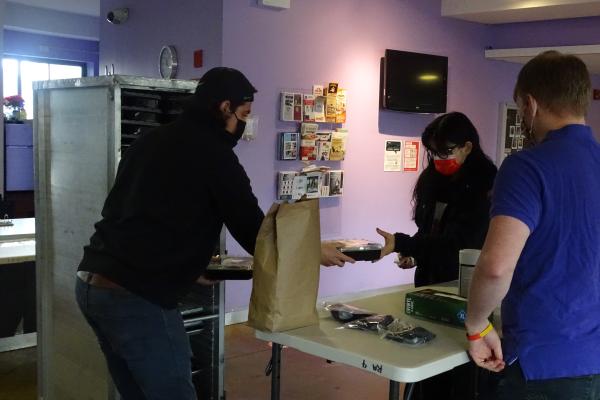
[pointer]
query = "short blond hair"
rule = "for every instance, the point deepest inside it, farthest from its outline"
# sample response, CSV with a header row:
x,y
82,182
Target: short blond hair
x,y
559,82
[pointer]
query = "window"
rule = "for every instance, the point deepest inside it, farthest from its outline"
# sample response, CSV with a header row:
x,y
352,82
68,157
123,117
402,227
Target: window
x,y
20,73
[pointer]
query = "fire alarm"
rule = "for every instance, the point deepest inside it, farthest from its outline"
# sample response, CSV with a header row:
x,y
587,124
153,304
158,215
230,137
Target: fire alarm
x,y
198,59
276,3
596,94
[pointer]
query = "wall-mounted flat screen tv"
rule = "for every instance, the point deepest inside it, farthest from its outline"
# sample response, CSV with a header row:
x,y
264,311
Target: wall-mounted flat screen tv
x,y
414,82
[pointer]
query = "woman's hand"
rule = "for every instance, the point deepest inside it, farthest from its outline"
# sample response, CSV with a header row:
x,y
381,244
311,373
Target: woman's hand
x,y
405,262
390,242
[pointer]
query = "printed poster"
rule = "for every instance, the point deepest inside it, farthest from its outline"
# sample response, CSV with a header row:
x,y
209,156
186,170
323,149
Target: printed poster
x,y
392,159
411,155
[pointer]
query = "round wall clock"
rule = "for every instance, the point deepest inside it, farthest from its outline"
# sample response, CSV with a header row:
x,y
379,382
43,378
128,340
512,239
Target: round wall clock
x,y
167,62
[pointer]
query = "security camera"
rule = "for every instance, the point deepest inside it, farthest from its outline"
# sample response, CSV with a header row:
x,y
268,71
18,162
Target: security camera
x,y
118,15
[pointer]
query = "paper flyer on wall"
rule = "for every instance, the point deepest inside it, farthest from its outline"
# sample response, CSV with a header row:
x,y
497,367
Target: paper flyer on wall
x,y
287,106
325,184
323,151
298,187
309,108
288,145
332,88
392,159
338,144
331,108
319,109
340,116
336,183
313,185
308,150
298,107
286,184
308,142
411,155
317,90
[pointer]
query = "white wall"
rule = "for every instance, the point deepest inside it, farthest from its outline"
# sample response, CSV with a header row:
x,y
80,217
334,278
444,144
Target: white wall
x,y
503,11
57,23
86,7
593,118
462,6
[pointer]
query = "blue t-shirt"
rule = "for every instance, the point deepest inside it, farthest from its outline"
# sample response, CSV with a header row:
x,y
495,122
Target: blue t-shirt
x,y
551,314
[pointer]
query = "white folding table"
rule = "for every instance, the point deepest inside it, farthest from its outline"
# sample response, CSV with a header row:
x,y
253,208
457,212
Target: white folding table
x,y
21,229
17,251
367,351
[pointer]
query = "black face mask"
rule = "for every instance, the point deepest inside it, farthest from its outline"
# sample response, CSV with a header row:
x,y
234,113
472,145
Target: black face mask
x,y
239,128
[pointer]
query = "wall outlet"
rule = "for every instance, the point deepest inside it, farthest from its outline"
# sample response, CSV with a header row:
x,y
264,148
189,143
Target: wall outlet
x,y
276,3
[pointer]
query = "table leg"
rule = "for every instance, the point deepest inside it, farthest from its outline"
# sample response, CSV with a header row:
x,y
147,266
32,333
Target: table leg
x,y
276,371
408,390
394,390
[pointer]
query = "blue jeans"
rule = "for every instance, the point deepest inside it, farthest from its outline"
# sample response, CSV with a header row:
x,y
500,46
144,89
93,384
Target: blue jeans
x,y
513,386
146,347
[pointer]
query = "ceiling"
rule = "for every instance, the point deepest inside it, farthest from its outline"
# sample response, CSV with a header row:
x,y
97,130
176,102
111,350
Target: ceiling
x,y
508,11
589,54
483,11
86,7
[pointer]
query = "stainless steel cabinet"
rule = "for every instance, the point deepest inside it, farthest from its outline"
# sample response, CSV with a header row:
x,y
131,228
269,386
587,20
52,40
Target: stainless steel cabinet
x,y
82,127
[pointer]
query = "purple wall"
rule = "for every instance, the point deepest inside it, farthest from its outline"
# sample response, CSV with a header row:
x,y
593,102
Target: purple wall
x,y
317,42
22,17
343,40
53,47
593,117
134,47
566,32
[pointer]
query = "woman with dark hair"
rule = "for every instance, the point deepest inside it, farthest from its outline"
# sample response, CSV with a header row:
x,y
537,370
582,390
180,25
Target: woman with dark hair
x,y
451,202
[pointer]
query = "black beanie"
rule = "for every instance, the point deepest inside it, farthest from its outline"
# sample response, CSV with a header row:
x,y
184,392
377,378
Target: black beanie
x,y
222,83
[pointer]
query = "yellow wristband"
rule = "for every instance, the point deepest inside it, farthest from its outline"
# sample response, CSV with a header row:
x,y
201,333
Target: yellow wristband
x,y
481,334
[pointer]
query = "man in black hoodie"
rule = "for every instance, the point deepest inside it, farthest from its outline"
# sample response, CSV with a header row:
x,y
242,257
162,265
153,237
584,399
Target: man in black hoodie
x,y
174,189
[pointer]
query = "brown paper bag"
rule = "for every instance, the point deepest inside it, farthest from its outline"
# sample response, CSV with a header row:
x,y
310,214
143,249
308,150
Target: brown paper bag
x,y
286,268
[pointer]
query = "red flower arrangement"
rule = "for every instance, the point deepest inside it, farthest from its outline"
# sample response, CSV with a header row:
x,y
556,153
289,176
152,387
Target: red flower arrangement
x,y
15,102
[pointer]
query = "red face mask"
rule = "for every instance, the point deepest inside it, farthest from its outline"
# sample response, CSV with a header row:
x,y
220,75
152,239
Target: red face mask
x,y
446,166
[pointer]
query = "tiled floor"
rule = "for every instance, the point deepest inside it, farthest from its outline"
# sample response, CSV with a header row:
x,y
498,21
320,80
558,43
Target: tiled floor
x,y
18,374
303,376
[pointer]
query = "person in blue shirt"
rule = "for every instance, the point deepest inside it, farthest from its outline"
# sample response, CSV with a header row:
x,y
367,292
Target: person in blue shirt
x,y
541,256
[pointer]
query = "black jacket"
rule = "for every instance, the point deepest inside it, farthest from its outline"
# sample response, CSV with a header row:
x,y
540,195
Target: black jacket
x,y
175,187
463,225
